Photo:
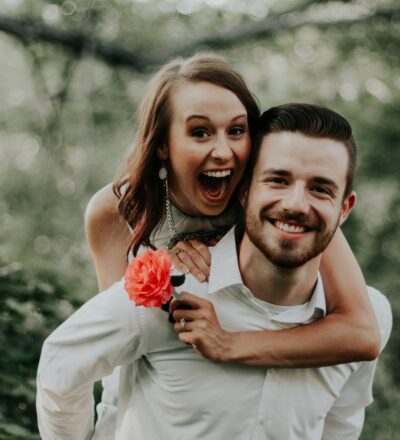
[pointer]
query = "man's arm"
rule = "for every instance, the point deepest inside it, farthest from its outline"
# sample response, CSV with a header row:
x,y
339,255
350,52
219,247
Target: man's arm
x,y
103,333
346,417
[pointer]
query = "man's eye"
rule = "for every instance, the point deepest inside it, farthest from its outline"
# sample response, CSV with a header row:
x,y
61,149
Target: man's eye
x,y
277,181
321,190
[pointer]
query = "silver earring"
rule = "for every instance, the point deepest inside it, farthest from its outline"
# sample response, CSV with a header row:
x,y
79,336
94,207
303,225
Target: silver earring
x,y
163,174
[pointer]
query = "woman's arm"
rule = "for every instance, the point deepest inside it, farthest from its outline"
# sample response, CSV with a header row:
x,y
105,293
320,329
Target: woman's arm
x,y
108,237
347,299
348,333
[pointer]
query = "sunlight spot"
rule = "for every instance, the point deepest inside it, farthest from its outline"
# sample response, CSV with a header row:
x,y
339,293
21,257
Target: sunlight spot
x,y
304,51
51,13
68,7
348,91
41,245
378,89
66,187
16,97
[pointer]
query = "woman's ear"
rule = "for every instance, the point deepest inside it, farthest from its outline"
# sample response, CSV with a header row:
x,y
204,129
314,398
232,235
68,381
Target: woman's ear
x,y
162,152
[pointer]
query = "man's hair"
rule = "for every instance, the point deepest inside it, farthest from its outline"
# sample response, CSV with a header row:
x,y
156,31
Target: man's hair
x,y
309,120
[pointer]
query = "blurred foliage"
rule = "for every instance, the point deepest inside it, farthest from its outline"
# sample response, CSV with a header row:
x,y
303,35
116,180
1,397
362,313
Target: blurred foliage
x,y
67,119
32,304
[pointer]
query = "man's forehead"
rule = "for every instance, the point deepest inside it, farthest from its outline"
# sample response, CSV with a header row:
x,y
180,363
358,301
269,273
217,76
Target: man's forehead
x,y
292,150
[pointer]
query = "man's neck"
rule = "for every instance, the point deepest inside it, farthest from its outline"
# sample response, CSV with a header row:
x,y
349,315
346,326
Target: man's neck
x,y
273,284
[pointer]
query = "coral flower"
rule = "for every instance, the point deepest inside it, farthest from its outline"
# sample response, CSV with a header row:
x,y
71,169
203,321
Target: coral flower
x,y
148,279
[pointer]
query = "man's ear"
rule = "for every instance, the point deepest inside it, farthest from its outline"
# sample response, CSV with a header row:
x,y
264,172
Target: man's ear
x,y
348,204
162,152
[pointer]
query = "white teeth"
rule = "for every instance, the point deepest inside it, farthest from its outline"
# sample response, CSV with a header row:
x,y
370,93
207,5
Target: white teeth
x,y
224,173
289,228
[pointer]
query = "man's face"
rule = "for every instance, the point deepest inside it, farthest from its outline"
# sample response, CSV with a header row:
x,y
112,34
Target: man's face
x,y
295,200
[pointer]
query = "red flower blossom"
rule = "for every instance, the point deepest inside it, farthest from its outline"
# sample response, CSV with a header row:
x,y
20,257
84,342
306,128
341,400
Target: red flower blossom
x,y
147,279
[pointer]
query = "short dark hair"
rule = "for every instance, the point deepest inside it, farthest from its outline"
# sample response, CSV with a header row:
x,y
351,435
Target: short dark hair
x,y
309,120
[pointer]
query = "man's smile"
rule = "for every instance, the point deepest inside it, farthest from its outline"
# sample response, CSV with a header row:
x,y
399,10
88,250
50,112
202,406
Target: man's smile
x,y
291,228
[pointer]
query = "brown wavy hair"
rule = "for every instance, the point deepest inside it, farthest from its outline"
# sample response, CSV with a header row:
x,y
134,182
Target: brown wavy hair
x,y
138,187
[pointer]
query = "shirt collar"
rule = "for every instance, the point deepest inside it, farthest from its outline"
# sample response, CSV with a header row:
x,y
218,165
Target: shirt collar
x,y
224,272
315,308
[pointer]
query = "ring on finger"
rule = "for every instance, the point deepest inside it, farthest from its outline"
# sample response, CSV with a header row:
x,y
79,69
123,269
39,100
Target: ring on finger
x,y
179,251
182,322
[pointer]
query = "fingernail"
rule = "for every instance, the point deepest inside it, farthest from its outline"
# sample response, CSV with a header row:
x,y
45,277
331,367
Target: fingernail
x,y
201,277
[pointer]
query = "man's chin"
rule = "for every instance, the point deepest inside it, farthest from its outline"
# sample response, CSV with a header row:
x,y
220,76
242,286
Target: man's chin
x,y
288,262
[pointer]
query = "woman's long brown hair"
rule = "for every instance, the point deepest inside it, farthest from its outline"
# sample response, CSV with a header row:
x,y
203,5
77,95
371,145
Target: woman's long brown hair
x,y
138,187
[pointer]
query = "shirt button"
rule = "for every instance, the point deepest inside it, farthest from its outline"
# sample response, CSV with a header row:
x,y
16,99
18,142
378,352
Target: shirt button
x,y
272,370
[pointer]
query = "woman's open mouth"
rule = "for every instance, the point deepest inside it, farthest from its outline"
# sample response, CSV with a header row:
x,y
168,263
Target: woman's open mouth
x,y
214,184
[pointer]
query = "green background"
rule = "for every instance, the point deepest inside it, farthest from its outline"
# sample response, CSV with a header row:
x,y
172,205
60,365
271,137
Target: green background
x,y
72,74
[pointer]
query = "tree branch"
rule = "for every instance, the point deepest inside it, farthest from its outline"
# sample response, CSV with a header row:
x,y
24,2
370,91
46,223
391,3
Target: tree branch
x,y
74,41
117,55
283,22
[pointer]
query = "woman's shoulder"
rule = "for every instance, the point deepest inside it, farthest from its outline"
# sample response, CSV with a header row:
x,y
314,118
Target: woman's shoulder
x,y
104,203
102,218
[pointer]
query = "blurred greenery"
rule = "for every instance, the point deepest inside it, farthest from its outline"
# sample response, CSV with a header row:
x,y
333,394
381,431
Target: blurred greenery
x,y
69,91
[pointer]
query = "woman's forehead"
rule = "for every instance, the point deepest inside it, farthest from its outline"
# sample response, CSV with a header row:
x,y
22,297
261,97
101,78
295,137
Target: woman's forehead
x,y
204,99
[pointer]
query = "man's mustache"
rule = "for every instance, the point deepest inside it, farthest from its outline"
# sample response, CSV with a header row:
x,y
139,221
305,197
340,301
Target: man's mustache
x,y
297,217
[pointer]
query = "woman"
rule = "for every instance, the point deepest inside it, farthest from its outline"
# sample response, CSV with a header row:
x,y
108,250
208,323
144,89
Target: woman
x,y
179,185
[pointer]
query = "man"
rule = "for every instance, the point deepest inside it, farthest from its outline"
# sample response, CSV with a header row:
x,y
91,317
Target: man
x,y
265,277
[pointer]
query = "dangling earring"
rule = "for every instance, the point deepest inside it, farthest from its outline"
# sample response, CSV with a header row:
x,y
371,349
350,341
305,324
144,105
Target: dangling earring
x,y
163,174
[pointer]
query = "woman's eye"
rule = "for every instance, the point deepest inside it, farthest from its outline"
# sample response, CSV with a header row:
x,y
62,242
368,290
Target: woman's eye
x,y
199,133
236,131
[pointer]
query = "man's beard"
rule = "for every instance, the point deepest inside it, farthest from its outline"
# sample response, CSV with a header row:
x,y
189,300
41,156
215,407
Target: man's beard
x,y
288,253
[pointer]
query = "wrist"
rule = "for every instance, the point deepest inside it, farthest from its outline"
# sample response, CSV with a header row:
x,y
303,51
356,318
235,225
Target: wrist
x,y
231,342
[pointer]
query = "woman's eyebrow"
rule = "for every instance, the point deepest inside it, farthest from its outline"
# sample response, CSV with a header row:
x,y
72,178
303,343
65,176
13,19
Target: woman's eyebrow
x,y
206,118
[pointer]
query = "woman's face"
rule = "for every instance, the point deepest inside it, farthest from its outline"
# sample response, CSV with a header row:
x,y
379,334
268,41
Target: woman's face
x,y
208,147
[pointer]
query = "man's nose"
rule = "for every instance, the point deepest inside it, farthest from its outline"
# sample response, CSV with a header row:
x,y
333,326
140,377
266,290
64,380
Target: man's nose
x,y
295,199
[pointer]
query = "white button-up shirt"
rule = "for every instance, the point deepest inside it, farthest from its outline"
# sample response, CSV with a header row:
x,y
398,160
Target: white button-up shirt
x,y
168,391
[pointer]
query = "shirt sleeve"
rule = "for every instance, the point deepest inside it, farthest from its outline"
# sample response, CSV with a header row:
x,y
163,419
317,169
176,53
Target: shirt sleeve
x,y
346,417
103,333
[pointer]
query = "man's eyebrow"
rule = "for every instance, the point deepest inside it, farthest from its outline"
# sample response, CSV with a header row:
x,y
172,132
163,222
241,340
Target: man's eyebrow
x,y
276,172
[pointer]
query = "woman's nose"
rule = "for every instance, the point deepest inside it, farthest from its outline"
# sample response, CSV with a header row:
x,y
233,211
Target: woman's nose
x,y
222,150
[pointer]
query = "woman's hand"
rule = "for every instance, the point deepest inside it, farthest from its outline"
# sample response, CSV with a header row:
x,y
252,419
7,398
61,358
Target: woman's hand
x,y
199,327
192,256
